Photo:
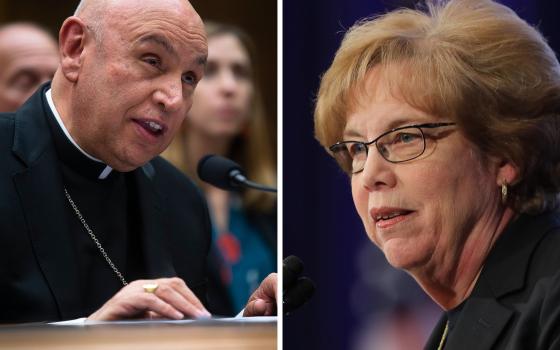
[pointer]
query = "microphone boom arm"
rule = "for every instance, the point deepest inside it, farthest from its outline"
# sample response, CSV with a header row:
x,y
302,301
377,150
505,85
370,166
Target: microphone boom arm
x,y
238,179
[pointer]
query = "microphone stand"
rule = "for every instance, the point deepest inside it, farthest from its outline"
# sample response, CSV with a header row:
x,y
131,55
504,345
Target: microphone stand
x,y
240,180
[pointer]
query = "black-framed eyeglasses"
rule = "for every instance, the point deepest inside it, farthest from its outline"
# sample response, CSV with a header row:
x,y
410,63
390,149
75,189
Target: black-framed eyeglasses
x,y
396,145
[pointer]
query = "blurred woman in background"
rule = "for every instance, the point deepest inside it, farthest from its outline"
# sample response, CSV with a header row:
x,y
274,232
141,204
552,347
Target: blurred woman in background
x,y
227,118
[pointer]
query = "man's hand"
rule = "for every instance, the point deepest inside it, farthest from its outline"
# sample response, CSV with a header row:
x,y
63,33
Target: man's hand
x,y
263,301
172,299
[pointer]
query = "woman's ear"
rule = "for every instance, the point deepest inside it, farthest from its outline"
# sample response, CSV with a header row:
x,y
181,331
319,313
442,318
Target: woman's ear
x,y
508,173
72,38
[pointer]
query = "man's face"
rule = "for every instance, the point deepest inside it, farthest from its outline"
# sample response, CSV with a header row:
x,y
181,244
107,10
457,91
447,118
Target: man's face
x,y
136,83
28,58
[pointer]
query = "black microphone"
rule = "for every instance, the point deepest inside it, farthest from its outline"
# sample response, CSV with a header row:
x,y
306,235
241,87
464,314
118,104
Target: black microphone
x,y
226,174
296,290
292,267
298,294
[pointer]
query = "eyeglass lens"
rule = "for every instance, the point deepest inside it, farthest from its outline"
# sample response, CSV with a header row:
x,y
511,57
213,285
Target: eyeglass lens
x,y
396,146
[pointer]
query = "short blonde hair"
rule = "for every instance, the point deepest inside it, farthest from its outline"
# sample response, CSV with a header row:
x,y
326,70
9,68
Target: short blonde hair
x,y
472,61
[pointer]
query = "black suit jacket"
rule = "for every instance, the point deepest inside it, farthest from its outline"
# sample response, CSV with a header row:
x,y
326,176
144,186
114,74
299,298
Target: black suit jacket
x,y
38,279
515,303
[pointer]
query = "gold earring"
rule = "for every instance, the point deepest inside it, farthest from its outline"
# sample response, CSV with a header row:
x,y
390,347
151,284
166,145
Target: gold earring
x,y
504,192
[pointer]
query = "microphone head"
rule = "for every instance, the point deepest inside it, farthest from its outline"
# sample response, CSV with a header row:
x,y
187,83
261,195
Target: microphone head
x,y
298,295
292,267
219,171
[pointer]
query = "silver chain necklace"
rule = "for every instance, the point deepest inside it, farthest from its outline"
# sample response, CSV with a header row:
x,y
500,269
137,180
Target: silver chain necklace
x,y
95,240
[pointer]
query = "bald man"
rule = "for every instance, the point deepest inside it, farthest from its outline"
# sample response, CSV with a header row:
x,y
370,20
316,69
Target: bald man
x,y
92,222
28,58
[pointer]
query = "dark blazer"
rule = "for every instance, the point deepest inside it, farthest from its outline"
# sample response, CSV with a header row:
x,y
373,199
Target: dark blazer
x,y
38,279
515,303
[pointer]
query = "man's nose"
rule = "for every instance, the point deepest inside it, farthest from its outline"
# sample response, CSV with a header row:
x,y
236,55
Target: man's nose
x,y
169,96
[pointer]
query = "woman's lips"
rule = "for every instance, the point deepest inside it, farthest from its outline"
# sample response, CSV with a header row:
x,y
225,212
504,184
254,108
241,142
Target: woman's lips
x,y
227,113
386,223
388,217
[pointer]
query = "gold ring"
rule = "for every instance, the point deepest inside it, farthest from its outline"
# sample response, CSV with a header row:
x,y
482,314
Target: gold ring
x,y
150,287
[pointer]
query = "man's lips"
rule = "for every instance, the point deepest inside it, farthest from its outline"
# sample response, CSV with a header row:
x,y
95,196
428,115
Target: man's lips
x,y
153,127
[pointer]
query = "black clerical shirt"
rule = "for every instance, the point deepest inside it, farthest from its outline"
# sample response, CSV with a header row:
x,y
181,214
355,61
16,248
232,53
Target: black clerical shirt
x,y
109,207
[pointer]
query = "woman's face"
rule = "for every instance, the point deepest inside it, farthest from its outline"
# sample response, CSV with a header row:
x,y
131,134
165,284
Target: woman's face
x,y
438,200
222,99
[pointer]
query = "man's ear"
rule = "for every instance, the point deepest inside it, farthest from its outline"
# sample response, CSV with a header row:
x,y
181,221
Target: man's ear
x,y
72,38
508,173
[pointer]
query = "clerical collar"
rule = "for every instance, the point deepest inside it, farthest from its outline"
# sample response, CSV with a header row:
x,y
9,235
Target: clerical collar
x,y
101,170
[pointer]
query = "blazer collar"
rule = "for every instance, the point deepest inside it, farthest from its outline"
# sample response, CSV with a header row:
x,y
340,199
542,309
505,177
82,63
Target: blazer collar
x,y
480,324
512,252
483,318
40,189
31,136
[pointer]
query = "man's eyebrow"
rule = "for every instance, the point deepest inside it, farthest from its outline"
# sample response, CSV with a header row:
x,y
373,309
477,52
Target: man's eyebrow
x,y
202,60
161,41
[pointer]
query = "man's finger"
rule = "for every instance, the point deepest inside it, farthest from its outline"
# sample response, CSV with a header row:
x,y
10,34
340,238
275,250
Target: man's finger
x,y
151,302
132,305
181,287
256,307
268,287
172,296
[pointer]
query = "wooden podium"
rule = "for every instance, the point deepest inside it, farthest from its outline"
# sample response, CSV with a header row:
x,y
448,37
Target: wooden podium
x,y
154,335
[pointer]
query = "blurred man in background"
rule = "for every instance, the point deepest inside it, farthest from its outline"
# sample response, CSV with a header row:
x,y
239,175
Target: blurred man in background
x,y
28,58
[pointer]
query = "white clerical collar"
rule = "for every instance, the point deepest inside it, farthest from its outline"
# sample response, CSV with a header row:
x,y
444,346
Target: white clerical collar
x,y
107,170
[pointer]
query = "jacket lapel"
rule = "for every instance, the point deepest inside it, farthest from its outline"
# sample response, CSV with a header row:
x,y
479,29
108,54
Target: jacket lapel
x,y
437,334
153,228
40,188
483,322
483,317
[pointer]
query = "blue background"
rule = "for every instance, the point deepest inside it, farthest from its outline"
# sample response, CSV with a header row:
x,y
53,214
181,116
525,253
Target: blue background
x,y
320,224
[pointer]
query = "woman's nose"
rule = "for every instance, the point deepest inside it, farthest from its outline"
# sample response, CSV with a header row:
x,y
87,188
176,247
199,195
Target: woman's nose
x,y
378,173
228,82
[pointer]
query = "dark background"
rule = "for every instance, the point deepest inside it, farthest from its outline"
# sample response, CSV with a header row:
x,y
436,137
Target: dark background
x,y
258,18
320,224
